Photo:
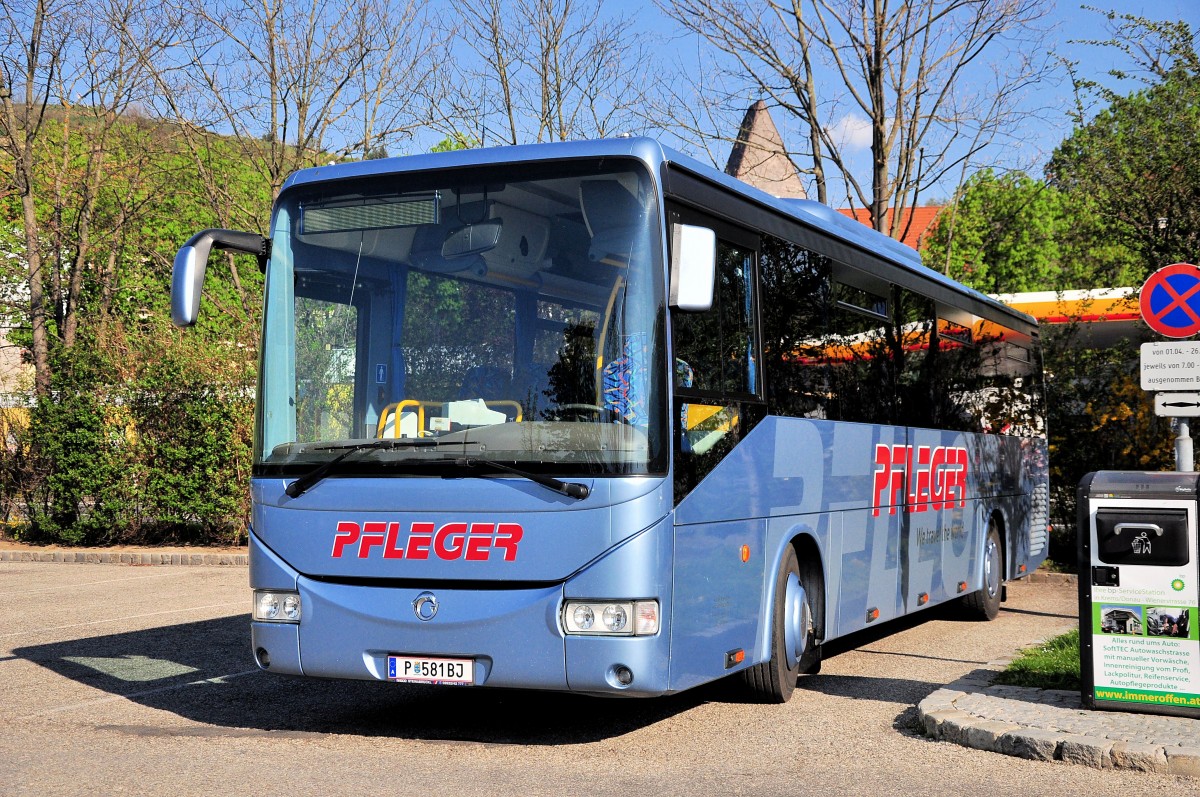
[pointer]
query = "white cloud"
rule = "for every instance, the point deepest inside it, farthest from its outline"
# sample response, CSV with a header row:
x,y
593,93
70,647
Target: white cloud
x,y
851,131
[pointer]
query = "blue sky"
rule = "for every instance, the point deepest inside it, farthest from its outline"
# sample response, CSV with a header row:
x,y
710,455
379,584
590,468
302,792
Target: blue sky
x,y
1070,24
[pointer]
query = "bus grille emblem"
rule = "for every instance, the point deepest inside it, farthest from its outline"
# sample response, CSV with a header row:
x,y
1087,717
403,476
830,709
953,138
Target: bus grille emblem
x,y
425,607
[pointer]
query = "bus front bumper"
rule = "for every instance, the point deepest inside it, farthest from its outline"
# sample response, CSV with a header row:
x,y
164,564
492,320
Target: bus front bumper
x,y
512,636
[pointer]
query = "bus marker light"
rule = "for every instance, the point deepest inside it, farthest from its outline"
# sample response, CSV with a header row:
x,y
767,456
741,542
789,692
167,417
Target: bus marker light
x,y
962,586
645,618
872,615
734,658
923,599
745,553
1021,569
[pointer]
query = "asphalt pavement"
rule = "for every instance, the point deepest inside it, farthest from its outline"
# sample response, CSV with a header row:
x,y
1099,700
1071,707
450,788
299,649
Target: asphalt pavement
x,y
137,678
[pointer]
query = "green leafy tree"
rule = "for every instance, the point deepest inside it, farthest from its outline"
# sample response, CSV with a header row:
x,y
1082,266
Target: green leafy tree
x,y
1012,233
456,141
1001,235
127,444
1136,165
1121,198
1132,176
68,77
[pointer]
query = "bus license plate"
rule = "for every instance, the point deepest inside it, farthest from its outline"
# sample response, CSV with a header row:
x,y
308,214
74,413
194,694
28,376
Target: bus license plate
x,y
424,670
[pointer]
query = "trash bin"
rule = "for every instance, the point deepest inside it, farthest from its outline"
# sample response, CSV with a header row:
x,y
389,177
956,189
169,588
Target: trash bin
x,y
1139,630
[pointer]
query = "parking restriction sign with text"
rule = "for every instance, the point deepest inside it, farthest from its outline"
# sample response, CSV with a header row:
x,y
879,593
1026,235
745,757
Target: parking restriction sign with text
x,y
1170,365
1170,301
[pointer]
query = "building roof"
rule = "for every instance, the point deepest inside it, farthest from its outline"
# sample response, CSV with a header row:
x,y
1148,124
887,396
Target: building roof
x,y
915,223
1065,307
1100,317
760,158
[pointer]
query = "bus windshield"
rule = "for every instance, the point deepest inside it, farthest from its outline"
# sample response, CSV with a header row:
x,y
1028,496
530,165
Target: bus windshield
x,y
511,313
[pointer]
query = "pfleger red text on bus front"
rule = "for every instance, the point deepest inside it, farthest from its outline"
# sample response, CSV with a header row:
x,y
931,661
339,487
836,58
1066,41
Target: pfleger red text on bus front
x,y
472,542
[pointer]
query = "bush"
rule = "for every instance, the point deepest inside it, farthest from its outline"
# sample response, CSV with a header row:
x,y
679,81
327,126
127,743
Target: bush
x,y
77,461
14,430
160,456
194,445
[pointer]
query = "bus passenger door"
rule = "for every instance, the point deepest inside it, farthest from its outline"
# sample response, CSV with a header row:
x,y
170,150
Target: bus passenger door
x,y
718,592
716,382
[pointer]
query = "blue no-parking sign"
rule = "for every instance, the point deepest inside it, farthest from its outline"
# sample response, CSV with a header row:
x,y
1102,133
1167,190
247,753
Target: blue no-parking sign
x,y
1170,300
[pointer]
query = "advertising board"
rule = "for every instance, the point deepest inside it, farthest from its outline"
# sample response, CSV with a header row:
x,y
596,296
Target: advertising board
x,y
1140,620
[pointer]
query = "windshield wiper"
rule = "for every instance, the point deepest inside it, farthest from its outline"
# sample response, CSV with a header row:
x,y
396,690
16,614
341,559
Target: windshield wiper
x,y
298,487
569,489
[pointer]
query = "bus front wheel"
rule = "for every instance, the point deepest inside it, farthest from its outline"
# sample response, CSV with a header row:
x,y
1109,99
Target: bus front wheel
x,y
793,637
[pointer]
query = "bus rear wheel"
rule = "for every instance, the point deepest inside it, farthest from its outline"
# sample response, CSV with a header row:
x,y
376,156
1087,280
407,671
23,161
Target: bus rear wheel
x,y
984,604
793,637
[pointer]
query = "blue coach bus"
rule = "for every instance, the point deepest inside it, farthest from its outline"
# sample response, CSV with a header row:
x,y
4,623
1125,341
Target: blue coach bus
x,y
596,417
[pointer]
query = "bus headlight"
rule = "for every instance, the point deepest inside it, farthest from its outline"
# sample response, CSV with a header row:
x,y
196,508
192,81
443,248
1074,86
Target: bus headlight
x,y
611,618
273,606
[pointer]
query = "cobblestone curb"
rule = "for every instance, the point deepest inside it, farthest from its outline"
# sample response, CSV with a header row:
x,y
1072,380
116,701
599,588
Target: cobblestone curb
x,y
142,558
1052,725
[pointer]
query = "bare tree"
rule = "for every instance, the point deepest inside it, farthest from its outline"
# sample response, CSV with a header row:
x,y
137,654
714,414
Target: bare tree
x,y
68,80
932,84
106,84
297,85
34,53
548,70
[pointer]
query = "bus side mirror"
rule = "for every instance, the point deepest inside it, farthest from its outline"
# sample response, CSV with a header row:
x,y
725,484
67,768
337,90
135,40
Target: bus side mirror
x,y
693,267
187,279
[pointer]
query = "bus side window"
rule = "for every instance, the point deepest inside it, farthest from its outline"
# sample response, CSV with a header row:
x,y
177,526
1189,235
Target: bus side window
x,y
795,328
863,354
704,426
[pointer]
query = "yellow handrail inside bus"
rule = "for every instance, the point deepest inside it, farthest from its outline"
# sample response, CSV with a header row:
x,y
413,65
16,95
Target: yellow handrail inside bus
x,y
395,410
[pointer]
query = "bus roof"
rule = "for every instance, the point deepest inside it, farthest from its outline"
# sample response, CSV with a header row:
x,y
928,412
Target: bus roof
x,y
807,212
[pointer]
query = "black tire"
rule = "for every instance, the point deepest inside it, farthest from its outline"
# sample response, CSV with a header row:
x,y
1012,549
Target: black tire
x,y
984,604
774,681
